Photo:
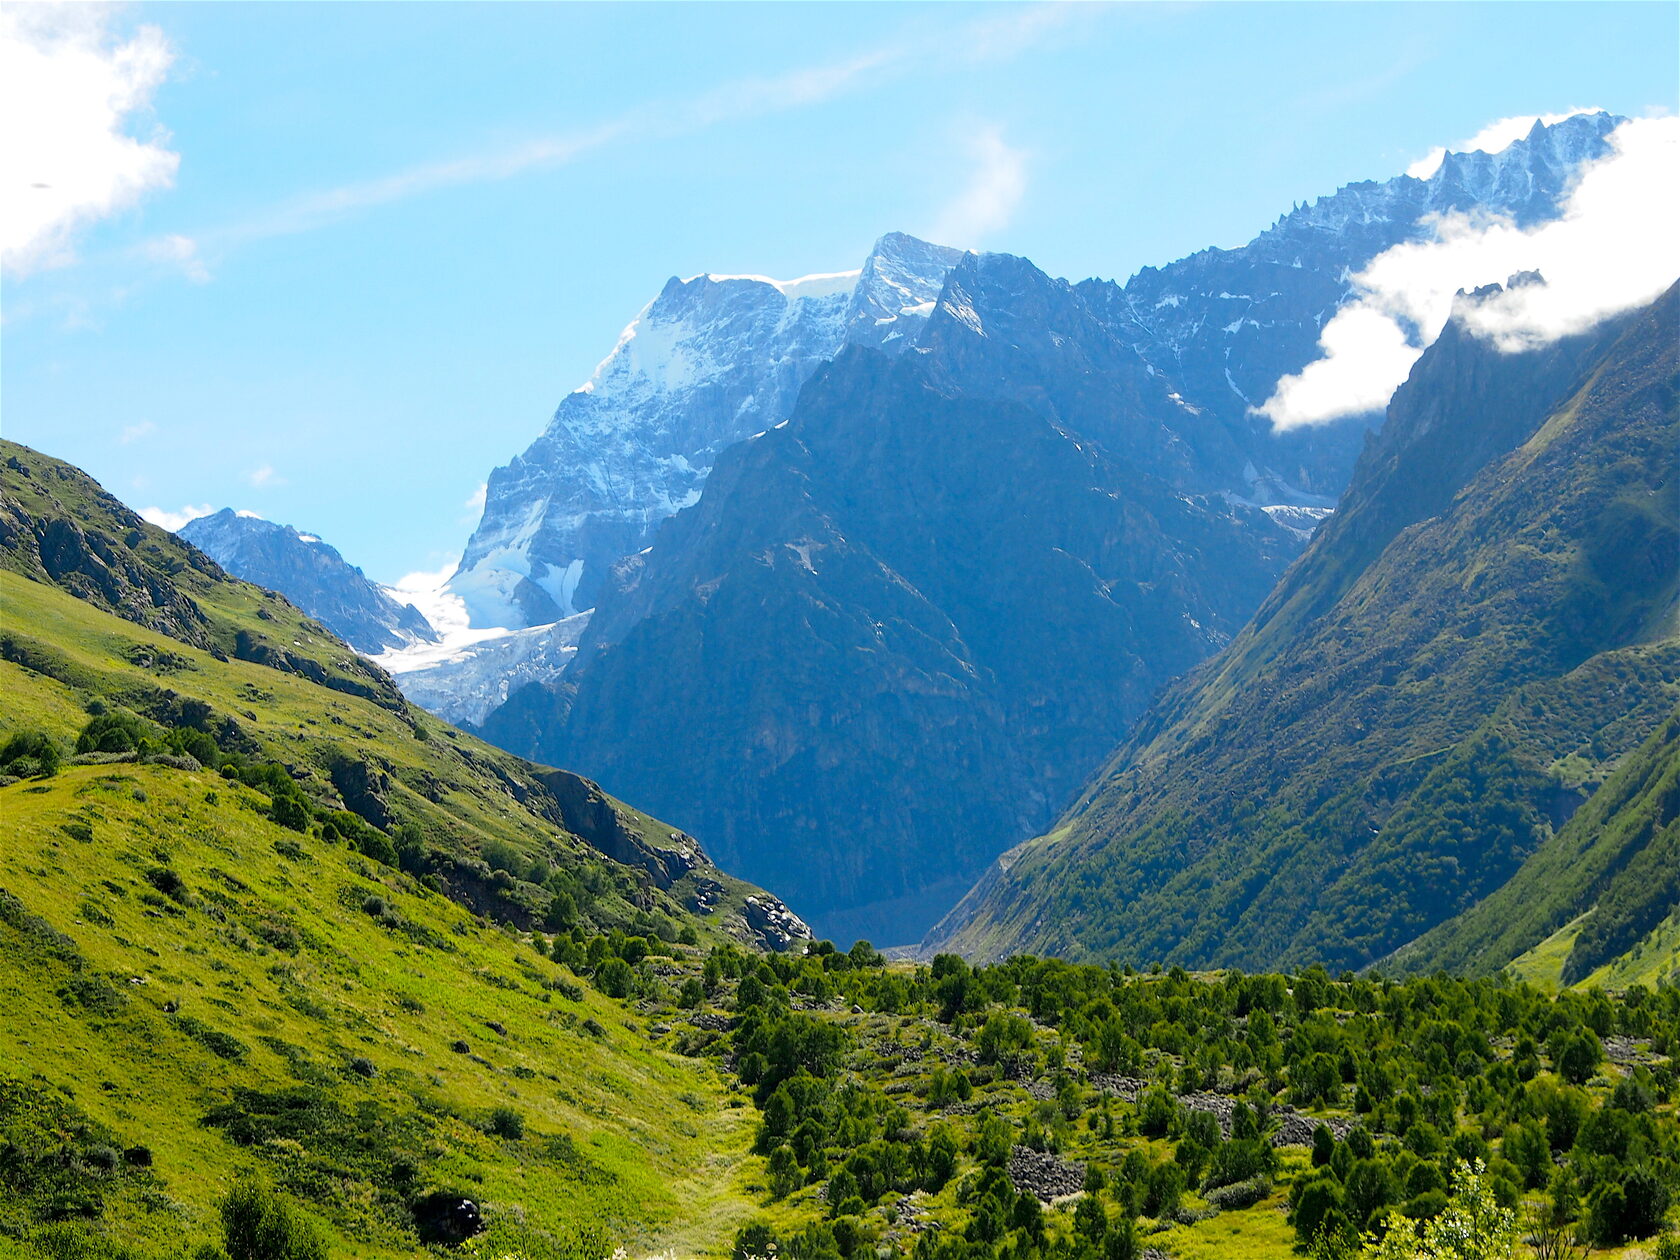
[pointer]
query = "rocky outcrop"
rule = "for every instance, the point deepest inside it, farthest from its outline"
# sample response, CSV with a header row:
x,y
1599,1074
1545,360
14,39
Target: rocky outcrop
x,y
92,564
1043,1174
774,924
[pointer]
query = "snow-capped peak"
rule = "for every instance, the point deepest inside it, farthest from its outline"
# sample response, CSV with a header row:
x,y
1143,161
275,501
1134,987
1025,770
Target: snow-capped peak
x,y
823,284
712,359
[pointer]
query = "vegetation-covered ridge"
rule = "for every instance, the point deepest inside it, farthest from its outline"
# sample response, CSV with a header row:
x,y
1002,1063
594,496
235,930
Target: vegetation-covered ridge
x,y
127,643
1464,654
258,915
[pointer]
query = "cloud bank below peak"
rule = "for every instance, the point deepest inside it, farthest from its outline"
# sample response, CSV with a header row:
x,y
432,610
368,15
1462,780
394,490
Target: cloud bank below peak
x,y
1615,246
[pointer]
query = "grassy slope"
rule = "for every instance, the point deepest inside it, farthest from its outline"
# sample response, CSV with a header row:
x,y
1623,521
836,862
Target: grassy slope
x,y
660,1159
656,1150
1537,916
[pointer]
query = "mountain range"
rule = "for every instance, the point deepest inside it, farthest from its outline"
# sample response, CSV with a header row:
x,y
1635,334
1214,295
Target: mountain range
x,y
864,575
1065,558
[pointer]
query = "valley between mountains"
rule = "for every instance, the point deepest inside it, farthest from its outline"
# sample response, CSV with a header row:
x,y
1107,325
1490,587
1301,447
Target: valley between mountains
x,y
912,762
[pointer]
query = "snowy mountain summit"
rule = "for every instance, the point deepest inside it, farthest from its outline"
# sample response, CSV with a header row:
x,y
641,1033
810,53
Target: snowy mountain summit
x,y
710,361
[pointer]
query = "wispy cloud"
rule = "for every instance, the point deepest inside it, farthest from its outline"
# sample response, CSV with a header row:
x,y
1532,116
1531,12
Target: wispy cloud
x,y
134,432
997,36
69,91
173,521
474,504
1615,246
177,252
1496,137
988,201
264,476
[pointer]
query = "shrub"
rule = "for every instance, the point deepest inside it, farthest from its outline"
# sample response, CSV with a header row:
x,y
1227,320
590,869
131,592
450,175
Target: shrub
x,y
615,978
214,1040
258,1225
29,754
1239,1194
115,731
169,883
505,1122
785,1176
1630,1205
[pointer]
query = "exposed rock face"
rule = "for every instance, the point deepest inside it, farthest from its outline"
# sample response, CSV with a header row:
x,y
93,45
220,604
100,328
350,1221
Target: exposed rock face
x,y
707,363
898,630
1043,1174
93,564
313,576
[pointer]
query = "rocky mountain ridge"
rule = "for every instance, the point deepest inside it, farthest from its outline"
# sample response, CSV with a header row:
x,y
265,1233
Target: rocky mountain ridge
x,y
311,573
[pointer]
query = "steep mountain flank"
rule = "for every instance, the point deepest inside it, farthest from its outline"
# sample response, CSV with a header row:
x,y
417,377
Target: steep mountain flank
x,y
1606,880
310,573
1469,646
898,631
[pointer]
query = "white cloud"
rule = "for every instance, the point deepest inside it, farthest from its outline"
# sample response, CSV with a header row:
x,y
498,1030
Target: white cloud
x,y
1615,246
180,252
173,521
475,501
248,514
989,199
69,89
1497,136
263,476
134,432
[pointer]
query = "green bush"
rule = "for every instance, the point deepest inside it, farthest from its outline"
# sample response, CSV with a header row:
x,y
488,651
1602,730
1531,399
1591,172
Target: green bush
x,y
505,1122
259,1225
29,754
615,978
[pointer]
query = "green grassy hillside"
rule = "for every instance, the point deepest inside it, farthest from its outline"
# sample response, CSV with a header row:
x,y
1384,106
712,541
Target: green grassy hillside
x,y
1597,892
290,1006
103,611
268,918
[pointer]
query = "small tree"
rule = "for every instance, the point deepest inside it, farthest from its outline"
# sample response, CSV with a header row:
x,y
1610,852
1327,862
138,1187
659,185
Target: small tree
x,y
29,753
1472,1227
785,1176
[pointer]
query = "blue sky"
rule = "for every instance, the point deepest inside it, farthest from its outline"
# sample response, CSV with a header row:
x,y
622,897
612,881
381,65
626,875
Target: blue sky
x,y
378,242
